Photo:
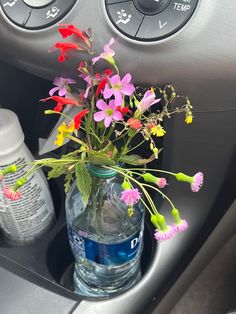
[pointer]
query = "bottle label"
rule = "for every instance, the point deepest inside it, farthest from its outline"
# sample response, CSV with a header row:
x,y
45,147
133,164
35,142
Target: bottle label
x,y
105,254
27,217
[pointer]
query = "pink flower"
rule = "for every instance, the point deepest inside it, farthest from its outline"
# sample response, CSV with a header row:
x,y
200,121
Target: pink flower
x,y
147,101
108,112
107,53
89,83
168,234
119,88
9,193
181,226
130,196
1,177
61,86
161,182
197,182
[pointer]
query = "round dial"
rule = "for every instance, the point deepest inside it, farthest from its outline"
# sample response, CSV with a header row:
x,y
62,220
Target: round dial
x,y
151,7
37,3
149,20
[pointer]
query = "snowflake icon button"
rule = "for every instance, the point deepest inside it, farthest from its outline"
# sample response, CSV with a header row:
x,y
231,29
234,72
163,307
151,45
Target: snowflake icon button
x,y
125,17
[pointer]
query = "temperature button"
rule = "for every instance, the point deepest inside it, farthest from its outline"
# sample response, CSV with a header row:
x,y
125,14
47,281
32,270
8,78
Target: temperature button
x,y
167,22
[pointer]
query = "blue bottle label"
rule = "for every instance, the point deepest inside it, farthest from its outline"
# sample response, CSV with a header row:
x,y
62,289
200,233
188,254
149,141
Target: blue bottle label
x,y
105,254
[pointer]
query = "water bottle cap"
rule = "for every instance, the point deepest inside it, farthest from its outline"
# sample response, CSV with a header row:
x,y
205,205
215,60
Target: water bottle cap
x,y
101,172
11,133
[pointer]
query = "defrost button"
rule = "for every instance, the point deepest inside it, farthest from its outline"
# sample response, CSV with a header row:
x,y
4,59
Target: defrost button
x,y
125,17
42,17
17,11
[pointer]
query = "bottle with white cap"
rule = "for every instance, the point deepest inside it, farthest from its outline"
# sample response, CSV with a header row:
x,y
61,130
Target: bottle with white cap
x,y
24,219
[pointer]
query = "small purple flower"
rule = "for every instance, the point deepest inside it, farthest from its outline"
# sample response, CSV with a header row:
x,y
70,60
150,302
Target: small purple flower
x,y
197,182
168,234
130,196
107,113
61,86
89,83
107,53
148,100
181,226
119,87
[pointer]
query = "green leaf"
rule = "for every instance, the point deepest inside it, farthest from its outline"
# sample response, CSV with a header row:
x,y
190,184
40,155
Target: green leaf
x,y
84,181
100,158
68,181
56,171
136,160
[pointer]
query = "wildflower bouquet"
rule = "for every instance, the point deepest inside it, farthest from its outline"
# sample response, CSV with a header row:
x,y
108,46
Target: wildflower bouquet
x,y
112,115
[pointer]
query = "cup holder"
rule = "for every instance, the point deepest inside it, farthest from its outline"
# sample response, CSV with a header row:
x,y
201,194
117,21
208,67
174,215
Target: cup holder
x,y
60,261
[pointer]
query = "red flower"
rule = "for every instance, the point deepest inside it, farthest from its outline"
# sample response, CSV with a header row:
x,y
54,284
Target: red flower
x,y
122,110
103,82
64,48
101,86
61,101
134,123
68,30
108,72
77,118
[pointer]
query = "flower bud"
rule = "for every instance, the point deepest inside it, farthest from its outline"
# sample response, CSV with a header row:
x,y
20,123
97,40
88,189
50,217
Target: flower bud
x,y
176,216
49,111
130,211
126,185
155,152
19,183
9,169
159,222
148,177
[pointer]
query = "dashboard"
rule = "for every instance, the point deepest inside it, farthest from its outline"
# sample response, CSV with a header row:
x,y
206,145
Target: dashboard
x,y
188,43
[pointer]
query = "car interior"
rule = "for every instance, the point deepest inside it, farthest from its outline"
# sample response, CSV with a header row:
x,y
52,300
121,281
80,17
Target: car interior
x,y
189,44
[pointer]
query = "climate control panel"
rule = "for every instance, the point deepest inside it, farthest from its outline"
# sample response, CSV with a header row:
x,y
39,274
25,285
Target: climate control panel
x,y
149,20
35,14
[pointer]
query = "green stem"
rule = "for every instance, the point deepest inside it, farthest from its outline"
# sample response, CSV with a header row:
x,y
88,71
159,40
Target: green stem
x,y
156,189
126,146
95,135
140,185
160,192
149,169
75,139
120,137
135,146
150,212
110,132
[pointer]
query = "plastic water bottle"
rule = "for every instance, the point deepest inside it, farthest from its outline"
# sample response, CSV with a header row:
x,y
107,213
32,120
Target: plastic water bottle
x,y
106,242
25,219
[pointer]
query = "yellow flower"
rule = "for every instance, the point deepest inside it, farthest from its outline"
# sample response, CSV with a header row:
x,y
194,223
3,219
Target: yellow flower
x,y
63,130
189,118
158,130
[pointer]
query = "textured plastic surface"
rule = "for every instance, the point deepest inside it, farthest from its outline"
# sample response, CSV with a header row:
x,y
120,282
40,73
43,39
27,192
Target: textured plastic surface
x,y
191,59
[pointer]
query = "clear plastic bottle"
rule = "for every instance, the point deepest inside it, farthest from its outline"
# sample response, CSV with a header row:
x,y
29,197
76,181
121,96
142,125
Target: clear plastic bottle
x,y
25,219
106,242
